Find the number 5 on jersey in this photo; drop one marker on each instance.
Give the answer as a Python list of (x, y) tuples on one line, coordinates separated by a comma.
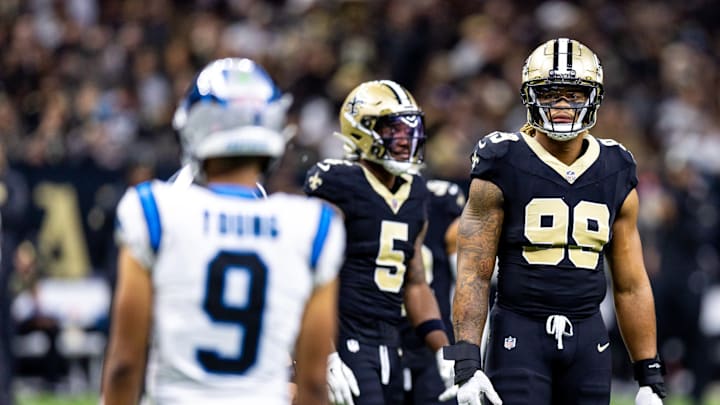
[(390, 273)]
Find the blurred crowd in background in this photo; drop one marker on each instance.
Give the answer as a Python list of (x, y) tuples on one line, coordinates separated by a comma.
[(88, 89)]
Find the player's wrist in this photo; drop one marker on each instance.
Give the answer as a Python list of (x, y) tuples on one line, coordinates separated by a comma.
[(649, 373), (432, 333), (467, 359), (429, 326)]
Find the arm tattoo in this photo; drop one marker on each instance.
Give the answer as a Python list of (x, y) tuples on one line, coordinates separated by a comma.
[(478, 237)]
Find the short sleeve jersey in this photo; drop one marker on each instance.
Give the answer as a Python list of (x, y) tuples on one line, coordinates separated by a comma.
[(382, 226), (231, 276), (557, 220)]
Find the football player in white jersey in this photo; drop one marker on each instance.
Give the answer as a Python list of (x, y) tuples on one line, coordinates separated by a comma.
[(220, 284)]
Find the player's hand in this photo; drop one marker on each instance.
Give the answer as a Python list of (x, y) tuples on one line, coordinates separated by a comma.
[(342, 384), (446, 368), (472, 390), (646, 396)]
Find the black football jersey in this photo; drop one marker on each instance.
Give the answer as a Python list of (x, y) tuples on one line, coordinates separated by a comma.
[(381, 227), (557, 220), (446, 203)]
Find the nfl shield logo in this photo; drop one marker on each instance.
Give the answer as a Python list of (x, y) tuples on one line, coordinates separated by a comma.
[(510, 342)]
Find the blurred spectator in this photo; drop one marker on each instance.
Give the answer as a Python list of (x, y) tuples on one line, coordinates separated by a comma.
[(41, 356), (14, 200)]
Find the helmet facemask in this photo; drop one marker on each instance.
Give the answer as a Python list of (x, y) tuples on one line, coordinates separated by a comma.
[(403, 140), (576, 104)]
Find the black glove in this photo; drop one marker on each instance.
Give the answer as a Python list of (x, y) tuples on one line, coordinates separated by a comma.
[(650, 372), (467, 359)]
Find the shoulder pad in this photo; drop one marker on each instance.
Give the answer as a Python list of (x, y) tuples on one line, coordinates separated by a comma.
[(618, 148), (335, 164), (327, 178), (446, 190), (491, 147), (442, 188), (495, 144)]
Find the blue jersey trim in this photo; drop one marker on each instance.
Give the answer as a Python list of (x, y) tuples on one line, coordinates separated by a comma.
[(326, 214), (234, 190), (152, 216)]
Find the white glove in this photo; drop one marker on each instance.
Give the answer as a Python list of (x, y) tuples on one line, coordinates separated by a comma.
[(470, 392), (446, 369), (341, 381), (646, 396)]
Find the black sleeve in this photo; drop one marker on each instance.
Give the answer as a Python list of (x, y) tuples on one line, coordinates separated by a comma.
[(329, 182)]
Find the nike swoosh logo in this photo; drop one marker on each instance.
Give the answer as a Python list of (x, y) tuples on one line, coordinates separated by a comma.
[(601, 348)]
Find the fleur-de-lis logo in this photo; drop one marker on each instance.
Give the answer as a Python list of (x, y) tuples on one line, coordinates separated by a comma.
[(315, 181), (352, 105)]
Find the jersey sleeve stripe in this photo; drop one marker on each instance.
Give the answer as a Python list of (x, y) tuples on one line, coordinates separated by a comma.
[(326, 214), (152, 216)]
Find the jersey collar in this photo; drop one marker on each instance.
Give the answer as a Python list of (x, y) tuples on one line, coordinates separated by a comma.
[(572, 172), (234, 190)]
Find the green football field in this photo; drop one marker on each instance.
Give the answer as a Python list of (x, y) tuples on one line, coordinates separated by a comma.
[(49, 399)]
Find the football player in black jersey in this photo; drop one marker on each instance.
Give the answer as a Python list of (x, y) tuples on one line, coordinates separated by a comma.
[(422, 380), (552, 203), (384, 202)]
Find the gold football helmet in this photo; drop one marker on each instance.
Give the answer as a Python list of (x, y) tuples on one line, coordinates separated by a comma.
[(381, 122), (562, 69)]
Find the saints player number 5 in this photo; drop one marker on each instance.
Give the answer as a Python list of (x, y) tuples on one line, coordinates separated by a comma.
[(390, 273), (247, 317)]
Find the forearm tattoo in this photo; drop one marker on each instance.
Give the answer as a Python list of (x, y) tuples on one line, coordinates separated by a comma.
[(478, 236)]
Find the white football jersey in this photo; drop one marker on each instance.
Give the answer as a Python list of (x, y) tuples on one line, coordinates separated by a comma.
[(183, 177), (231, 276)]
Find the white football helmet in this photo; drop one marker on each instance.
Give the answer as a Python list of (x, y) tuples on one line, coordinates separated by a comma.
[(233, 108), (381, 122), (560, 66)]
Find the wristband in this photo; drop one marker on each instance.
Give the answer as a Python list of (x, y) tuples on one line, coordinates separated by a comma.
[(431, 325), (467, 359), (649, 372)]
